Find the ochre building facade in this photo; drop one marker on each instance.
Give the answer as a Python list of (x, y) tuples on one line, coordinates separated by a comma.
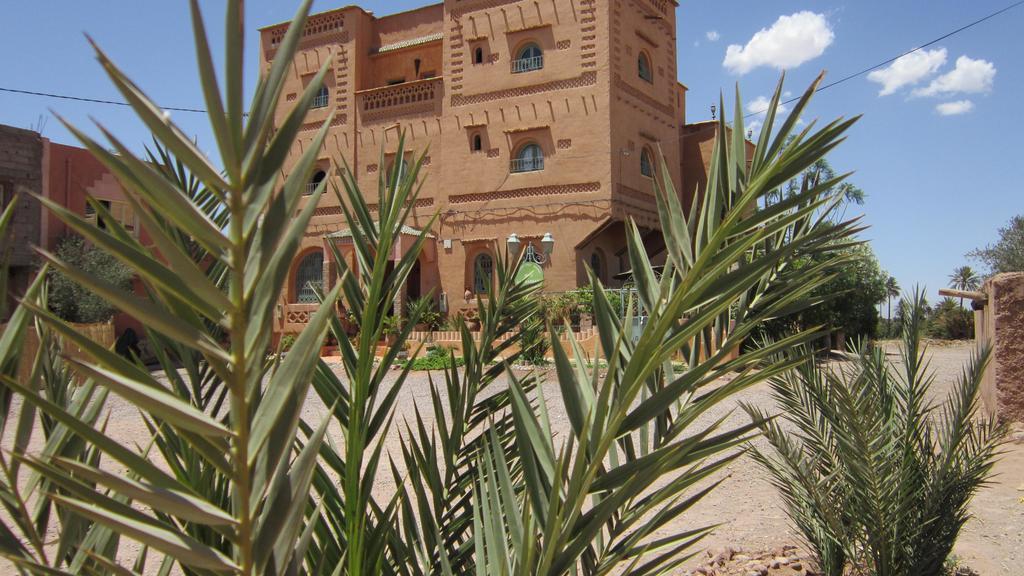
[(536, 117)]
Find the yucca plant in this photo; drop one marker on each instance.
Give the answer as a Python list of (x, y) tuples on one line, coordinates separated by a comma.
[(875, 474), (31, 355), (483, 484)]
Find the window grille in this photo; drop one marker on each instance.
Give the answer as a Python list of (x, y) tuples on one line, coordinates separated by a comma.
[(309, 278), (483, 271), (530, 58), (322, 98), (529, 159)]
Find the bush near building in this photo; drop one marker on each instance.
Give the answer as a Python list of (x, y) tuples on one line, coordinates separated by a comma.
[(75, 303)]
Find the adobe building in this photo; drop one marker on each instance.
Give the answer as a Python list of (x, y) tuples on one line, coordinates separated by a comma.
[(31, 164), (536, 118)]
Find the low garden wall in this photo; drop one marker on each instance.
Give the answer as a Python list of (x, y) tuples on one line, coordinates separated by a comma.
[(101, 333)]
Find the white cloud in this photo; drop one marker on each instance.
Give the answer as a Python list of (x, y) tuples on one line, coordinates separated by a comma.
[(908, 70), (761, 104), (955, 108), (970, 76), (712, 35), (754, 128), (791, 41)]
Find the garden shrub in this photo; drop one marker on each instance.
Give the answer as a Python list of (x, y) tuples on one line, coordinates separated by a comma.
[(74, 303)]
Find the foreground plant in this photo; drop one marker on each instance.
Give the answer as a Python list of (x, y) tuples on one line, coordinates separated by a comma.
[(877, 476), (482, 483)]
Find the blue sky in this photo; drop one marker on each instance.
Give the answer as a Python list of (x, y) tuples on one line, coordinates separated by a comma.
[(936, 154)]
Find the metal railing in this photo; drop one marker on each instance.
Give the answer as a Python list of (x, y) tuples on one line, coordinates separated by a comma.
[(321, 100), (527, 165), (527, 64)]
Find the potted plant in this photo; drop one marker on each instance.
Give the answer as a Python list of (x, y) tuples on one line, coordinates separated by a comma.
[(472, 319), (430, 319)]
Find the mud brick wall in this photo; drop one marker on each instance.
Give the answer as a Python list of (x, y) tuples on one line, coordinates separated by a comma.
[(1001, 325), (21, 173)]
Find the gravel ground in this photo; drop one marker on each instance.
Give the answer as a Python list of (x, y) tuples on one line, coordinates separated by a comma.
[(745, 504)]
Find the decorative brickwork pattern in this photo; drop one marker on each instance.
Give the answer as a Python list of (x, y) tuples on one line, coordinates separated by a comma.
[(564, 144), (585, 79), (316, 24), (557, 190), (339, 119)]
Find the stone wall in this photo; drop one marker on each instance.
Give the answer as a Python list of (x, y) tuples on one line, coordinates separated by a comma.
[(21, 175), (21, 161), (1000, 323)]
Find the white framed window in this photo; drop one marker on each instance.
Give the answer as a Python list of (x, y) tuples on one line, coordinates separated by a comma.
[(529, 58), (529, 158)]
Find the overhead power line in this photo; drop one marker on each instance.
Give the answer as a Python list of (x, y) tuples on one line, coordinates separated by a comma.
[(790, 101), (895, 58), (92, 100)]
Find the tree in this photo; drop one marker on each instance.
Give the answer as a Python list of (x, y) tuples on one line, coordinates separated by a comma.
[(68, 298), (949, 321), (878, 476), (850, 298), (963, 278), (822, 170), (892, 290), (1006, 255)]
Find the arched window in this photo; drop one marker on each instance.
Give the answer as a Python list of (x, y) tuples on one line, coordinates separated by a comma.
[(402, 167), (530, 57), (597, 264), (309, 277), (483, 272), (315, 181), (322, 97), (644, 69), (478, 143), (647, 163), (478, 55), (530, 158)]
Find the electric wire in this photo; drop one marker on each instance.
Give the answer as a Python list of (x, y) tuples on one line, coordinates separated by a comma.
[(790, 101), (895, 58), (93, 100)]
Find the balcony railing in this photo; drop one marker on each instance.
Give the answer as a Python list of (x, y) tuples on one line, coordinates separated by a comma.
[(321, 100), (527, 165), (411, 97), (527, 64)]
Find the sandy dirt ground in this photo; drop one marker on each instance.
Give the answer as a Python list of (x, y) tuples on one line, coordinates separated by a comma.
[(745, 504)]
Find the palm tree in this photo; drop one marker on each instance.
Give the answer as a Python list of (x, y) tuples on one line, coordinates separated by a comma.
[(892, 290), (963, 278)]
